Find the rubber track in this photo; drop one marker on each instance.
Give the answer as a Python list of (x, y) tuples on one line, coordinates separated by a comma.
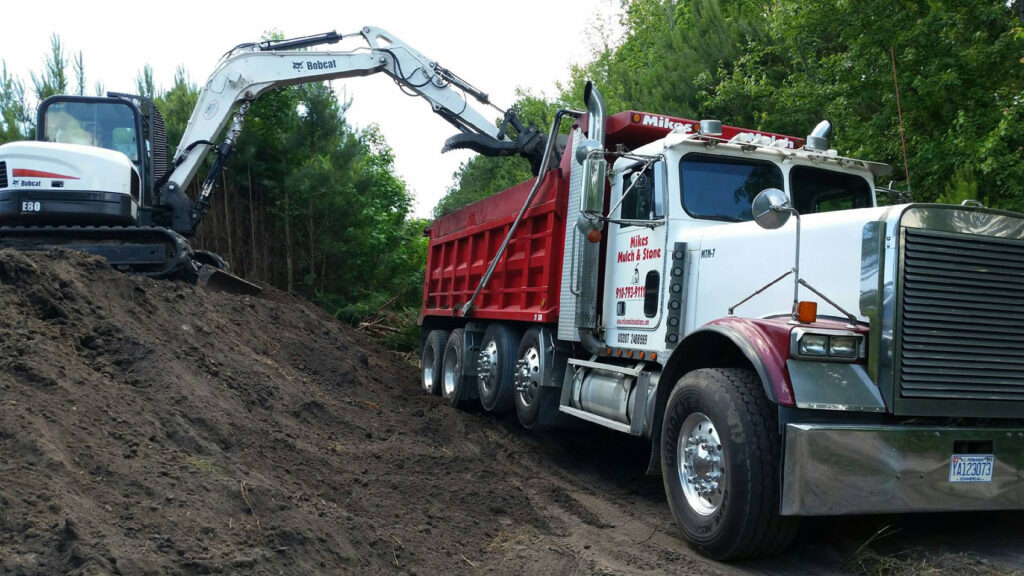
[(66, 235)]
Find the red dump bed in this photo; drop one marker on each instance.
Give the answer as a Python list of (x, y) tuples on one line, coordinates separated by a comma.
[(527, 281)]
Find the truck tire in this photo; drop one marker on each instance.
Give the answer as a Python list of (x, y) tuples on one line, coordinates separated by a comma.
[(495, 371), (720, 460), (536, 404), (454, 386), (431, 358)]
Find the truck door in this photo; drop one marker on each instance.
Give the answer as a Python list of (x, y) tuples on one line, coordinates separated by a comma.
[(636, 257)]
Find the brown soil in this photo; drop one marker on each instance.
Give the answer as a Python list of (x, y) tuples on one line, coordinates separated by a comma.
[(151, 427)]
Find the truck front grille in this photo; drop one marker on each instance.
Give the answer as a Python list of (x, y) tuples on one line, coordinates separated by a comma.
[(3, 174), (962, 311)]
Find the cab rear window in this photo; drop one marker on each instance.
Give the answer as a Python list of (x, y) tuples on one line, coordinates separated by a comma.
[(818, 190)]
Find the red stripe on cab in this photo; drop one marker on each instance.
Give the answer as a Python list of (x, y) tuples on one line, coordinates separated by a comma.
[(25, 173)]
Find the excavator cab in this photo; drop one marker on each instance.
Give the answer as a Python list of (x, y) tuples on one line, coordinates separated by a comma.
[(109, 123), (88, 183), (95, 162), (123, 123)]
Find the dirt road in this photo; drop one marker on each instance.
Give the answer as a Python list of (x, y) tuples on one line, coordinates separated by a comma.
[(150, 427)]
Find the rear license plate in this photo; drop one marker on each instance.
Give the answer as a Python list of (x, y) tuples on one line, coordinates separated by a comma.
[(971, 467)]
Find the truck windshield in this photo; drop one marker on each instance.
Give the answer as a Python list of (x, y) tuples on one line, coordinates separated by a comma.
[(817, 190), (109, 125), (722, 188)]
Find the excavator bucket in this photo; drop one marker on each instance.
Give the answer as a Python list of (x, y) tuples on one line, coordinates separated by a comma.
[(213, 278)]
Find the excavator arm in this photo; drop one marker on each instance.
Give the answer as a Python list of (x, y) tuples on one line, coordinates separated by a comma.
[(249, 70)]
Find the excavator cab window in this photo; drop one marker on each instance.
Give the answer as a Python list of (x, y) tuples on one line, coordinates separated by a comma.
[(103, 122)]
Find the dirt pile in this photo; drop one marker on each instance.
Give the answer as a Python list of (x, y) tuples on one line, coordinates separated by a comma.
[(151, 427)]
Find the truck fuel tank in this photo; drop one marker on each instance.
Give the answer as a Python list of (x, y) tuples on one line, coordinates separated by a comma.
[(610, 392)]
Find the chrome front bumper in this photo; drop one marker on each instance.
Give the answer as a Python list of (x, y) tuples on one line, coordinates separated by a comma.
[(855, 469)]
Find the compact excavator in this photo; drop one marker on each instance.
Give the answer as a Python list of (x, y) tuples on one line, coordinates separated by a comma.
[(97, 180)]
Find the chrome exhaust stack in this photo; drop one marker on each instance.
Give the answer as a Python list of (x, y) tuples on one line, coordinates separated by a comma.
[(589, 223), (818, 138)]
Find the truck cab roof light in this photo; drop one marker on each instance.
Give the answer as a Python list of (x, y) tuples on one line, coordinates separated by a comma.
[(807, 312)]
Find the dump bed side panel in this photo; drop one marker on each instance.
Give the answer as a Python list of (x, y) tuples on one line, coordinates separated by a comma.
[(526, 283)]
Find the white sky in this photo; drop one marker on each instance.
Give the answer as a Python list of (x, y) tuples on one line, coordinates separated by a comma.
[(497, 46)]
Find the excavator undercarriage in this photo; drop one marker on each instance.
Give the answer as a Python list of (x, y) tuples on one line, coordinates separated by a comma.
[(143, 250)]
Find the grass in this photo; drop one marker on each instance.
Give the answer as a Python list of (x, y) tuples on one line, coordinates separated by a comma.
[(921, 562), (206, 466)]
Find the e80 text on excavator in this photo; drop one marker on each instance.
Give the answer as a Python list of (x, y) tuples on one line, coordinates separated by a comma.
[(97, 178)]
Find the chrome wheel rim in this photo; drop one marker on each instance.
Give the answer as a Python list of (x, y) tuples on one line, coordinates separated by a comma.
[(701, 463), (449, 374), (487, 366), (528, 376), (429, 357)]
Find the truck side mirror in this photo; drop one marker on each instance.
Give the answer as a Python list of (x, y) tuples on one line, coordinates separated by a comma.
[(771, 208), (592, 197), (594, 169)]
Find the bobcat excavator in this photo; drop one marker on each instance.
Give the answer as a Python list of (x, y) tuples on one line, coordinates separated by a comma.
[(97, 178)]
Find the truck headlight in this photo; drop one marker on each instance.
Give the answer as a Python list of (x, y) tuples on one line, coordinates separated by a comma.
[(843, 346), (834, 345), (813, 345)]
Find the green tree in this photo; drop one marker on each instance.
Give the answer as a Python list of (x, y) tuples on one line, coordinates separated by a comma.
[(176, 106), (783, 65), (54, 79), (960, 79), (15, 118), (483, 176), (144, 83), (671, 56), (79, 69)]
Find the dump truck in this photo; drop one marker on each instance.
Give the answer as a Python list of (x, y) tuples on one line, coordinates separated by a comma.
[(739, 298)]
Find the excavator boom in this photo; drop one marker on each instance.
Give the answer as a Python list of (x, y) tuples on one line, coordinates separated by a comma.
[(250, 70)]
